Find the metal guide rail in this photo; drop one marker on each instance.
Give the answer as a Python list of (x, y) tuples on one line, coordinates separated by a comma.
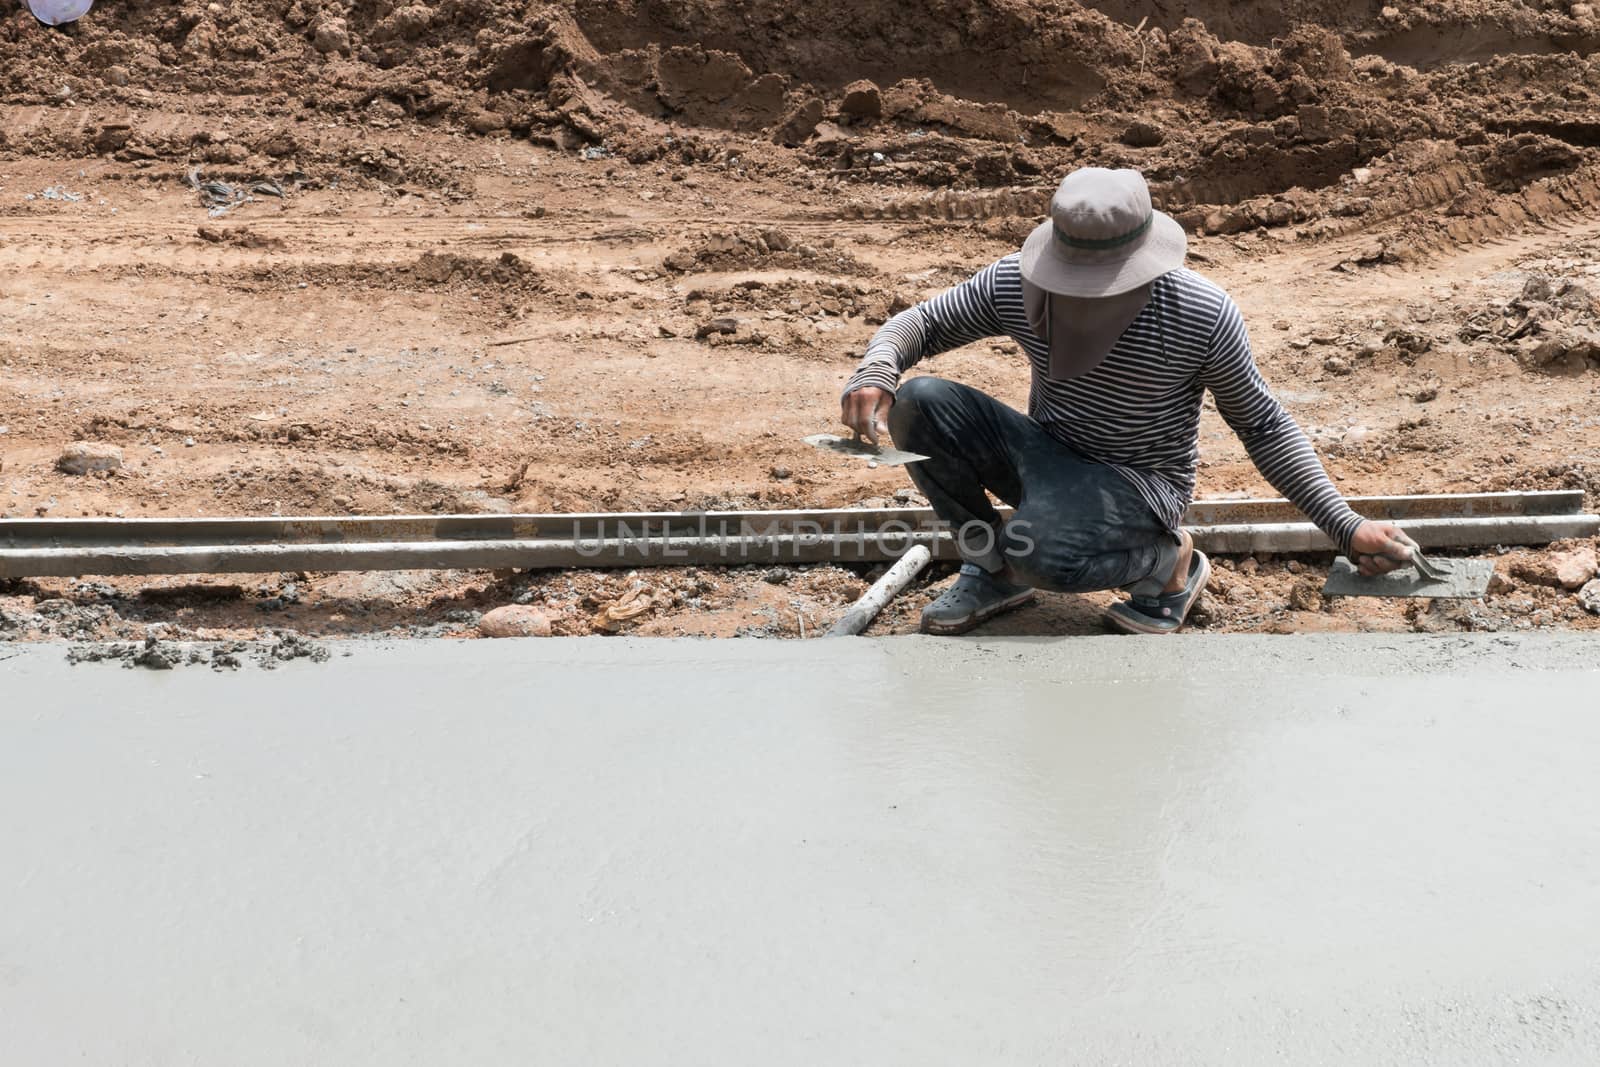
[(79, 547)]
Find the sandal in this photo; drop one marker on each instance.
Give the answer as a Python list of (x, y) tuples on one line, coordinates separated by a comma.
[(976, 597), (1164, 614)]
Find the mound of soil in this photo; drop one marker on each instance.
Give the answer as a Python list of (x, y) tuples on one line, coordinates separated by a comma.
[(1244, 116), (771, 248)]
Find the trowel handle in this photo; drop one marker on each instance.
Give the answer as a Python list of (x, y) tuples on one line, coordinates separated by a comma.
[(1423, 565)]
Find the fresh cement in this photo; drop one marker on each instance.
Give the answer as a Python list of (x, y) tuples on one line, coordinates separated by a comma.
[(907, 851)]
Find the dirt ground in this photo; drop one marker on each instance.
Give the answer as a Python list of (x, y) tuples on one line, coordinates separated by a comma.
[(475, 255)]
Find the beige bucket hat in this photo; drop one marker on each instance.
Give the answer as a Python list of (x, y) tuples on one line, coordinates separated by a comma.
[(1103, 237)]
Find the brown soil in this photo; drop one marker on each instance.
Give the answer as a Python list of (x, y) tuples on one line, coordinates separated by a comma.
[(509, 231)]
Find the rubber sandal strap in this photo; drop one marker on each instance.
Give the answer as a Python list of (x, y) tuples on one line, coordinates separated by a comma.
[(1166, 606), (1173, 605)]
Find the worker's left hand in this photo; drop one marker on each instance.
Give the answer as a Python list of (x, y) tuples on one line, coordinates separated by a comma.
[(1380, 547)]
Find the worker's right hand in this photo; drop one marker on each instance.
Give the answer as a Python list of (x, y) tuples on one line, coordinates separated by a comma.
[(866, 411), (1380, 547)]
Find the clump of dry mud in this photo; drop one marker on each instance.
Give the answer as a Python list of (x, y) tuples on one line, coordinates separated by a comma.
[(772, 249)]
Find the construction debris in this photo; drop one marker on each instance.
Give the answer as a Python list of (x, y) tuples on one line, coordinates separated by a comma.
[(634, 603)]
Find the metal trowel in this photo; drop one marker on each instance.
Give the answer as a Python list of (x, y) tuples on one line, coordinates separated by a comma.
[(875, 455), (1443, 579)]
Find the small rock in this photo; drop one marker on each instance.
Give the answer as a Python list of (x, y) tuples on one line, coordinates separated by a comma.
[(1589, 597), (156, 656), (515, 620), (781, 473), (1500, 584), (1426, 393), (862, 100), (777, 576), (1336, 366), (1575, 569), (681, 261), (1306, 595), (81, 457), (716, 326)]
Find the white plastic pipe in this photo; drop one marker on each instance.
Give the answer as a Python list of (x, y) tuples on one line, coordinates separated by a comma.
[(885, 589)]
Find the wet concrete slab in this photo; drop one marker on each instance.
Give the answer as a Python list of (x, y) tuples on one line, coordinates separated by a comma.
[(909, 851)]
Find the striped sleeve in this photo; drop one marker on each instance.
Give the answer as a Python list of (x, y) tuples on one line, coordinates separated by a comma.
[(955, 317), (1277, 446)]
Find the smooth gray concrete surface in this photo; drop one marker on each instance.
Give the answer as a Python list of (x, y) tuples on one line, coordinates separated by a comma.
[(908, 851)]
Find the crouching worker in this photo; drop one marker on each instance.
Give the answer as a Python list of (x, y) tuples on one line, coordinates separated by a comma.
[(1123, 342)]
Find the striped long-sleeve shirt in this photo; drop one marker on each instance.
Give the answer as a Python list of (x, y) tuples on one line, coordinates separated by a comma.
[(1139, 410)]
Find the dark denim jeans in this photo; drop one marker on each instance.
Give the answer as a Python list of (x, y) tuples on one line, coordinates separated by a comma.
[(1078, 526)]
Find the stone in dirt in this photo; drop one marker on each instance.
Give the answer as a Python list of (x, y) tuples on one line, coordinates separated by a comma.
[(1575, 569), (716, 326), (1565, 570), (81, 457), (1589, 597), (515, 620), (1306, 595), (1568, 353)]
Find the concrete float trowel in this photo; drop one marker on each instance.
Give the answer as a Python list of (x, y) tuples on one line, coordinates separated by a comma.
[(875, 455), (1438, 579)]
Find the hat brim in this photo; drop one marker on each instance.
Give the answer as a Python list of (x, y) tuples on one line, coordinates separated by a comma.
[(1057, 269)]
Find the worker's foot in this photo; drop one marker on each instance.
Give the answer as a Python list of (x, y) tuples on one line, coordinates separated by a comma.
[(1165, 614), (1180, 572), (976, 596)]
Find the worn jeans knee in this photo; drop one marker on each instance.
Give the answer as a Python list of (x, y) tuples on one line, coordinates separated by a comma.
[(911, 402)]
